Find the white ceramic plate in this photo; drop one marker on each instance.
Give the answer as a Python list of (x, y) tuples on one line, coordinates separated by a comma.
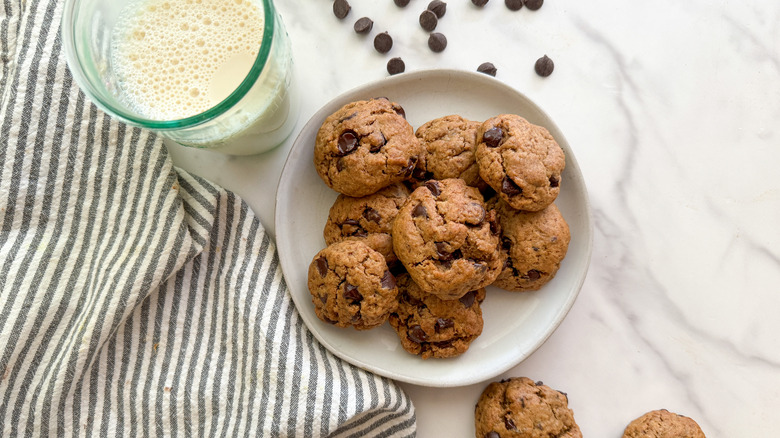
[(516, 324)]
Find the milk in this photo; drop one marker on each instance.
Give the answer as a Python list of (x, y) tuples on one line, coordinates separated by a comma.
[(178, 58)]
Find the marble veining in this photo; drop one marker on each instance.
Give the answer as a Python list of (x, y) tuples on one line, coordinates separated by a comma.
[(672, 109)]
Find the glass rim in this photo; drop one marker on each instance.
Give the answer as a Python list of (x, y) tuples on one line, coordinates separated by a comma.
[(74, 60)]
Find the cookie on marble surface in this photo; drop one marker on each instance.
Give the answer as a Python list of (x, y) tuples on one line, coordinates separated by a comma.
[(663, 424), (448, 150), (519, 408), (350, 285), (521, 161), (431, 327), (447, 240), (365, 146), (533, 242), (367, 218)]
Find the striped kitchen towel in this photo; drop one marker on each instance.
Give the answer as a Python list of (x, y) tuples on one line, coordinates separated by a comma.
[(139, 300)]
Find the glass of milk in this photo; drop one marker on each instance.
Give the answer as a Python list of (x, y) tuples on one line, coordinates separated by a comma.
[(213, 74)]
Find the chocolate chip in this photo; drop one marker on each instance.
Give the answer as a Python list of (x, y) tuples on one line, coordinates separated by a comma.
[(492, 435), (514, 5), (324, 299), (480, 216), (348, 142), (388, 280), (509, 423), (444, 344), (340, 165), (441, 251), (479, 266), (428, 20), (437, 42), (417, 334), (506, 243), (434, 187), (493, 136), (420, 174), (341, 8), (533, 274), (360, 233), (383, 42), (364, 25), (400, 111), (494, 227), (420, 211), (407, 171), (356, 318), (510, 188), (443, 323), (468, 299), (488, 68), (479, 3), (554, 181), (378, 147), (395, 66), (348, 117), (533, 4), (351, 293), (352, 222), (544, 66), (538, 383), (371, 215), (322, 266), (401, 3), (438, 7)]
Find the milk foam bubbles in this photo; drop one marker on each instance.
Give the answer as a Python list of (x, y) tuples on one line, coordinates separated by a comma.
[(177, 58)]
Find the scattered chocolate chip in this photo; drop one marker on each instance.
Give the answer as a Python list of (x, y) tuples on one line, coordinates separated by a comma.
[(348, 142), (341, 8), (488, 68), (351, 293), (494, 227), (434, 187), (400, 111), (554, 181), (510, 188), (328, 320), (348, 117), (324, 299), (538, 383), (468, 299), (428, 20), (437, 42), (401, 3), (514, 5), (339, 164), (544, 66), (492, 435), (506, 243), (533, 274), (420, 174), (479, 3), (509, 423), (441, 251), (352, 222), (444, 344), (395, 66), (479, 266), (480, 215), (420, 211), (364, 25), (378, 147), (522, 402), (372, 215), (322, 266), (493, 136), (388, 280), (438, 7), (383, 42), (360, 233), (533, 4), (417, 334), (443, 323), (356, 317)]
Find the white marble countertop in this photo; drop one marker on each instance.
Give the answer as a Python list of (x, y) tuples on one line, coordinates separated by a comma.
[(673, 111)]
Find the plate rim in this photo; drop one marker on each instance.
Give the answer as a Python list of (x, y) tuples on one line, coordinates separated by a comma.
[(571, 161)]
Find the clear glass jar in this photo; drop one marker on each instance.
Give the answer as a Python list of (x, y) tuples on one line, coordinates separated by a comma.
[(258, 115)]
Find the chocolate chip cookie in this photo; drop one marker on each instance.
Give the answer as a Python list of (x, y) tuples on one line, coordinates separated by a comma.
[(522, 162), (350, 285), (365, 146), (430, 327), (448, 150), (447, 240), (368, 218), (663, 424), (520, 408), (534, 244)]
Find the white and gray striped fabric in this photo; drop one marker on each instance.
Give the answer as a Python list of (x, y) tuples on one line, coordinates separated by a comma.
[(138, 300)]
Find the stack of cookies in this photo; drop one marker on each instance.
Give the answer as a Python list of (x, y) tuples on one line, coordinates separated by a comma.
[(426, 220)]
